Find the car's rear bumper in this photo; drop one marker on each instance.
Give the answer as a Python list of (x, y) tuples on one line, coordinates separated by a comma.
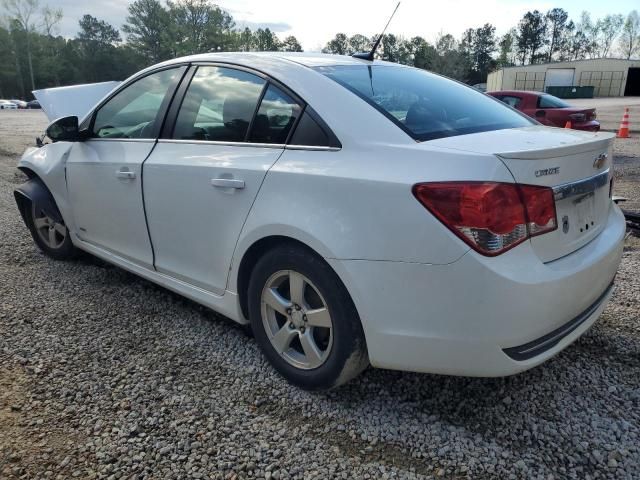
[(470, 316)]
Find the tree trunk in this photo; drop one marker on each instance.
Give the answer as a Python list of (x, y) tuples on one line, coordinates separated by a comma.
[(33, 84), (19, 78)]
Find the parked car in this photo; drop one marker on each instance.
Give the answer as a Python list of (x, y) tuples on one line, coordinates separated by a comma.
[(19, 103), (549, 110), (33, 104), (7, 105), (350, 211)]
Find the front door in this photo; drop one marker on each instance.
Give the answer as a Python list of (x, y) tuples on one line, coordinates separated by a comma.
[(104, 173), (199, 184)]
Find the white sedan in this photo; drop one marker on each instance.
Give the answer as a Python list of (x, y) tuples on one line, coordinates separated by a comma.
[(352, 212), (7, 105)]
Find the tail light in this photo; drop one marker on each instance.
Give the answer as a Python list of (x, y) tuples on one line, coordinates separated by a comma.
[(491, 217)]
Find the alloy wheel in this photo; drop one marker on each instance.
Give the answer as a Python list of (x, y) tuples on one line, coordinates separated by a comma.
[(52, 233), (296, 319)]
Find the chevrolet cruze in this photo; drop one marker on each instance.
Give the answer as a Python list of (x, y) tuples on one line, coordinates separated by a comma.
[(353, 212)]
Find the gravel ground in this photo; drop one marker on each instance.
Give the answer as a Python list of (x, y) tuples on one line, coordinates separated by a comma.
[(104, 375)]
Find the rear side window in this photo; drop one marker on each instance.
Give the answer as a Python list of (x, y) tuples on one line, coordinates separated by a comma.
[(219, 105), (276, 116), (310, 133), (424, 105), (549, 101)]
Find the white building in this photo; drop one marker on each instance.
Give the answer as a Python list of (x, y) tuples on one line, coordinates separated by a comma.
[(610, 77)]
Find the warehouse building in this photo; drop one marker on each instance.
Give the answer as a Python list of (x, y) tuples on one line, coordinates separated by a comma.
[(609, 77)]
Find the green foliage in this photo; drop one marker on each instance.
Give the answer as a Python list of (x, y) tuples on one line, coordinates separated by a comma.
[(630, 37), (32, 55), (532, 37)]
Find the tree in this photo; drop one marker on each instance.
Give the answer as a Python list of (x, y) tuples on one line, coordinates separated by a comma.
[(630, 37), (591, 32), (531, 35), (97, 33), (291, 44), (359, 43), (423, 53), (50, 20), (449, 60), (391, 48), (200, 26), (9, 79), (483, 45), (556, 26), (244, 40), (22, 13), (339, 45), (507, 43), (608, 28), (579, 45), (265, 40), (148, 30), (97, 40)]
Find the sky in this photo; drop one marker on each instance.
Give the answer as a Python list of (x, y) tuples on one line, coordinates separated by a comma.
[(315, 23)]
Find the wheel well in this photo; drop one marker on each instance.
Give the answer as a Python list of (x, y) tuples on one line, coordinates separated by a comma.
[(35, 190), (251, 257), (28, 172), (22, 200)]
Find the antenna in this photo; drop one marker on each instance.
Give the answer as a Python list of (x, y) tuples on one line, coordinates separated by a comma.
[(369, 55)]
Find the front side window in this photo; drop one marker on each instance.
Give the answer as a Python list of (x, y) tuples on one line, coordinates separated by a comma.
[(424, 105), (219, 105), (133, 111), (549, 101), (276, 116)]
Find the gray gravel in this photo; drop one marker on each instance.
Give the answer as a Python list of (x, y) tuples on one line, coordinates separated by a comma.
[(104, 375)]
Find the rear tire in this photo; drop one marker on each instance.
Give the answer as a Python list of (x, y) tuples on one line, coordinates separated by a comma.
[(304, 319), (51, 236)]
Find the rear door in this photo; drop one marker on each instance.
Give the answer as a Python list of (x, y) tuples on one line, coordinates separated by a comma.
[(203, 176), (104, 173)]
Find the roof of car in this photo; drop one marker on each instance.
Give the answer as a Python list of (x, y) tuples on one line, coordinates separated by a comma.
[(516, 92), (302, 58)]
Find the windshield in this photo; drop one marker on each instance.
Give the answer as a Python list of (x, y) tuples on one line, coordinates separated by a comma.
[(424, 105), (549, 101)]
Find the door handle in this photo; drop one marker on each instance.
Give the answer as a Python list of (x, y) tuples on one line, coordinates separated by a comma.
[(126, 174), (227, 183)]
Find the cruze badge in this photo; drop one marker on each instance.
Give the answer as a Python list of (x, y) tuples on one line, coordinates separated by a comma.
[(547, 171), (600, 161)]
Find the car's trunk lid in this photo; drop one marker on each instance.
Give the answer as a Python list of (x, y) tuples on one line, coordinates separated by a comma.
[(577, 165)]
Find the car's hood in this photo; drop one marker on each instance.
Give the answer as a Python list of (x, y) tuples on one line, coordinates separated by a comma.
[(75, 100)]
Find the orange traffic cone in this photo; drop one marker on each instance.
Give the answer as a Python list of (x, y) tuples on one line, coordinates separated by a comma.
[(568, 124), (623, 132)]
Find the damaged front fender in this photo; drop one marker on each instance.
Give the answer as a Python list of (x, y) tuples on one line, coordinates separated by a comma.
[(47, 185), (35, 192)]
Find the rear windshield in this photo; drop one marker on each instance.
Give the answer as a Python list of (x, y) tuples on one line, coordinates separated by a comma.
[(424, 105), (549, 101)]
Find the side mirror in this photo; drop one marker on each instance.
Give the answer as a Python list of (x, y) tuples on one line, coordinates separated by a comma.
[(540, 113), (64, 129)]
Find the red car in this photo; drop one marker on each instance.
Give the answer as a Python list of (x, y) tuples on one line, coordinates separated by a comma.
[(549, 110)]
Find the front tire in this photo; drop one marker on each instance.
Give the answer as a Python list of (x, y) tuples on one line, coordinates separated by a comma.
[(304, 319), (51, 236)]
